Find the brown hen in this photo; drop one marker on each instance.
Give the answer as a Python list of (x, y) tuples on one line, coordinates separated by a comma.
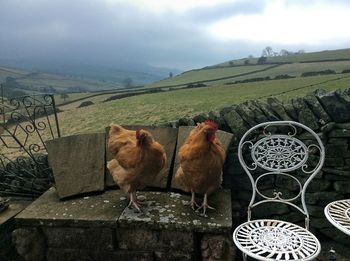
[(201, 161), (137, 159)]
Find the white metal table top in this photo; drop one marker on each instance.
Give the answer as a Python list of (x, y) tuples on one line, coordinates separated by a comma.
[(338, 214)]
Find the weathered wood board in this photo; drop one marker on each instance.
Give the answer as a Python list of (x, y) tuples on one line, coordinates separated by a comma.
[(184, 131), (165, 136), (78, 163)]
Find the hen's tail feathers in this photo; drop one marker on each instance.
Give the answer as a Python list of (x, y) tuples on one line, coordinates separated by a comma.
[(180, 179), (115, 128)]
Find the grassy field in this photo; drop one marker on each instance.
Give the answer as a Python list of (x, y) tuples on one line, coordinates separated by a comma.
[(35, 80), (164, 107), (305, 57), (11, 72), (64, 84), (155, 108), (95, 99), (71, 97), (207, 74), (296, 69), (214, 75)]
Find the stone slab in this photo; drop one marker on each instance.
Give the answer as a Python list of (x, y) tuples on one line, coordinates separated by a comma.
[(168, 211), (101, 210), (14, 208), (184, 131), (78, 163), (165, 136)]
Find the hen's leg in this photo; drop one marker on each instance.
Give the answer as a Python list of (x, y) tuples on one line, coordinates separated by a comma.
[(133, 201), (193, 202), (205, 204)]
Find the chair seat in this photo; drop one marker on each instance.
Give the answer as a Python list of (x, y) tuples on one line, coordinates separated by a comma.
[(268, 239), (338, 213)]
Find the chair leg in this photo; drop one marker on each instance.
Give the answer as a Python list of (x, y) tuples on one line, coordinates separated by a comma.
[(244, 256)]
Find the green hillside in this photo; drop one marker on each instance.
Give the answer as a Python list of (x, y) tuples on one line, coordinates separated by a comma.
[(168, 106), (39, 82), (337, 60), (208, 75), (192, 92), (328, 55)]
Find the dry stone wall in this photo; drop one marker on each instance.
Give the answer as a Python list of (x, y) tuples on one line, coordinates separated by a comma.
[(328, 114)]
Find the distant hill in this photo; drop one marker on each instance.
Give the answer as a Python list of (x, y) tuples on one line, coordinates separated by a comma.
[(327, 55), (246, 69), (23, 81), (114, 74), (201, 90)]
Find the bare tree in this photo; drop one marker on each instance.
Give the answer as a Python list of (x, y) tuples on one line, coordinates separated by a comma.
[(285, 52), (268, 52), (127, 82)]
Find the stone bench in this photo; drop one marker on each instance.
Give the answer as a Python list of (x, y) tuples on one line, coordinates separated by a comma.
[(92, 222)]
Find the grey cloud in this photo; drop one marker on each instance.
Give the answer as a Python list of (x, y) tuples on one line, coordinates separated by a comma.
[(94, 32), (225, 10)]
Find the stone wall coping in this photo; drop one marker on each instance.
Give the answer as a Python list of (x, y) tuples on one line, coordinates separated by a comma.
[(162, 210)]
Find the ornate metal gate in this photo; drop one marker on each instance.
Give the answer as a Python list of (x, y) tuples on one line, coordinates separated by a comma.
[(25, 124)]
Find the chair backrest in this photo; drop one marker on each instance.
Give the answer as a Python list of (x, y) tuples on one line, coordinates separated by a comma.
[(278, 149)]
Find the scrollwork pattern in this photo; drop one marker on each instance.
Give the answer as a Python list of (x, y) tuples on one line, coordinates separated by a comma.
[(26, 125), (279, 152)]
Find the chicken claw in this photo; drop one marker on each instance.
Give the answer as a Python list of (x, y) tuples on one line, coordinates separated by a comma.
[(205, 205), (193, 202), (134, 202)]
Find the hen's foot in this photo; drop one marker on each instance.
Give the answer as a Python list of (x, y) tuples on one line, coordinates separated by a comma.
[(193, 202), (205, 205), (134, 202)]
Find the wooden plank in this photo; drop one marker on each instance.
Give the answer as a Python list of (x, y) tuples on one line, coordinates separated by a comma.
[(78, 163), (165, 136), (184, 131)]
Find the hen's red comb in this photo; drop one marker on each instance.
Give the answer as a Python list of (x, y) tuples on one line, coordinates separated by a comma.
[(212, 124), (138, 133)]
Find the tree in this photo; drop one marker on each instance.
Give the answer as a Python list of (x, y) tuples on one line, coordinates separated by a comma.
[(268, 52), (64, 96), (285, 52), (262, 60), (246, 62), (231, 63), (127, 82), (170, 75)]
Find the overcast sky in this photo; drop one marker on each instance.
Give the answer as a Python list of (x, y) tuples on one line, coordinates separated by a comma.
[(182, 34)]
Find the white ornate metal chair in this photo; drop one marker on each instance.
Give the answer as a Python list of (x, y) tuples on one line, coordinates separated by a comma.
[(338, 214), (271, 150)]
